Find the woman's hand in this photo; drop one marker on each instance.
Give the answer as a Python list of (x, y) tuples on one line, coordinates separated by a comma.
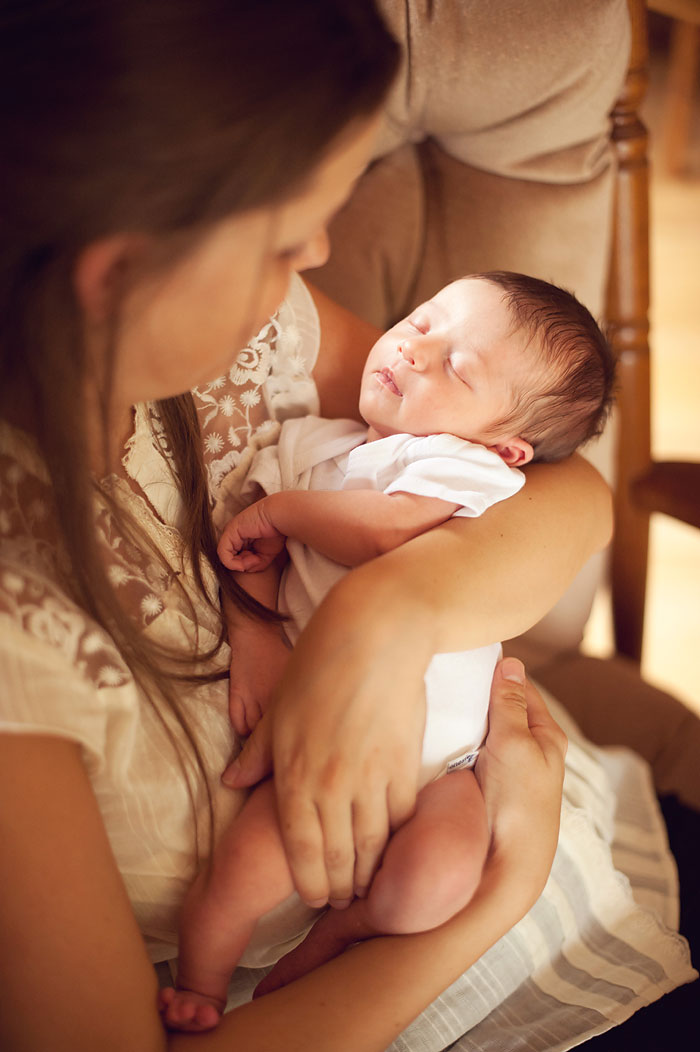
[(344, 735), (521, 771)]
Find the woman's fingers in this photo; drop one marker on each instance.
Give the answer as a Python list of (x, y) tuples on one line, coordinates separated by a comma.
[(304, 843), (335, 813), (544, 728), (346, 739), (334, 846), (317, 830), (521, 770), (518, 711), (371, 832), (508, 703), (401, 799), (331, 832)]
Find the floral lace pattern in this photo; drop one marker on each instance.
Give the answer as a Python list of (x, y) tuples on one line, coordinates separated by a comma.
[(61, 673), (62, 626), (269, 380), (32, 570), (231, 407), (270, 377)]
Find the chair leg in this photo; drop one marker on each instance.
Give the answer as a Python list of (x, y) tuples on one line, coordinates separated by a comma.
[(628, 318), (680, 92)]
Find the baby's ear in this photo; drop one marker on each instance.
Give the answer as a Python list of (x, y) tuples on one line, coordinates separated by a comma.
[(516, 452)]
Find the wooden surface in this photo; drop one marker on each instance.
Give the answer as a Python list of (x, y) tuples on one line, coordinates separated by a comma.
[(681, 91), (628, 319), (643, 486), (672, 488)]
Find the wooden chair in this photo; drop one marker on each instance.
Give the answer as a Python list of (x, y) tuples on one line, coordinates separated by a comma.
[(684, 62), (643, 484)]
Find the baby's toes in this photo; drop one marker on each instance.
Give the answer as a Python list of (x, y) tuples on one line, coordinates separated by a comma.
[(237, 712), (244, 710), (180, 1011), (207, 1016), (165, 996), (253, 714), (184, 1010)]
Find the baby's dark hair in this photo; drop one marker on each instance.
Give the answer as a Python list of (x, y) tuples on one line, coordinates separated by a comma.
[(573, 407)]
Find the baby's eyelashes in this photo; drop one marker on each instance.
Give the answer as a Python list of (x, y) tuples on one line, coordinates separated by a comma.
[(459, 372), (420, 323)]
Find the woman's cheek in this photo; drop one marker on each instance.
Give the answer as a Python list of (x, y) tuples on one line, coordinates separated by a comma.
[(272, 294)]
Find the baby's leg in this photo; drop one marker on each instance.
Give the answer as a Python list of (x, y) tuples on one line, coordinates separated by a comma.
[(430, 870), (433, 863), (248, 876)]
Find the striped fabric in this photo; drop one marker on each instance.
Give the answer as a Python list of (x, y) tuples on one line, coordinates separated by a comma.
[(600, 942), (598, 945)]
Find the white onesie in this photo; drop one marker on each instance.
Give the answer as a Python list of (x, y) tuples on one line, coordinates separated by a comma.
[(321, 454)]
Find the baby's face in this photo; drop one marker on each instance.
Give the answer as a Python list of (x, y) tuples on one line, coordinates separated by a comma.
[(454, 366)]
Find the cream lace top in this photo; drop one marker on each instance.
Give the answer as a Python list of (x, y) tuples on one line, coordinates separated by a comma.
[(60, 673)]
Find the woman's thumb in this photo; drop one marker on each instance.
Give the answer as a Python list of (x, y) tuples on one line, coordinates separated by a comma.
[(512, 669), (508, 704)]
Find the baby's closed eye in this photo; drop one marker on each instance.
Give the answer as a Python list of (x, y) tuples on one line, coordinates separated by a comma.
[(459, 369), (420, 322)]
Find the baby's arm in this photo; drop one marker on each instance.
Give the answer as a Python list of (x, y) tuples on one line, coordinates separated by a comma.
[(259, 651), (348, 526)]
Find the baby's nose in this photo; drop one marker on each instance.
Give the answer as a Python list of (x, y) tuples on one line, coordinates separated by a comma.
[(405, 352), (416, 352)]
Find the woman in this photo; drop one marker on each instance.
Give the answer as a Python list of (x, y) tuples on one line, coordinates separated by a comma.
[(167, 167)]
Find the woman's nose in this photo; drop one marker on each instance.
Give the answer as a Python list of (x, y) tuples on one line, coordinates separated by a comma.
[(315, 252)]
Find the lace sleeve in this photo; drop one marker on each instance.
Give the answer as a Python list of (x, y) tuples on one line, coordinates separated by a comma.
[(269, 381)]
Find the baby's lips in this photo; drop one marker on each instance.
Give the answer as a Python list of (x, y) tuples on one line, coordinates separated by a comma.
[(387, 378)]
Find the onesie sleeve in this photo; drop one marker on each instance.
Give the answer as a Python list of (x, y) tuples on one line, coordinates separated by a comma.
[(442, 466)]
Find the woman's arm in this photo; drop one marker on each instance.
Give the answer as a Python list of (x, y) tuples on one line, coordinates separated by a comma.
[(344, 733), (493, 577), (74, 972)]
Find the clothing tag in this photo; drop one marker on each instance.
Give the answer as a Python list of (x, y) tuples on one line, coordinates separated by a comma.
[(460, 762)]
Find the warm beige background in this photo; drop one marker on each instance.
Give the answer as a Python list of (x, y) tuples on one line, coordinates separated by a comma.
[(672, 636)]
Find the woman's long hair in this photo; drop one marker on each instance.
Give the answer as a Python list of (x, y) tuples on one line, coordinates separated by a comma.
[(159, 117)]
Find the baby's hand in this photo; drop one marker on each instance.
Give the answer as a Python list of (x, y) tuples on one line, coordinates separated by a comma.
[(250, 542)]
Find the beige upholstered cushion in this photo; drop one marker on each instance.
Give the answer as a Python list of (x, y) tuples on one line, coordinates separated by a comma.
[(494, 154), (505, 109)]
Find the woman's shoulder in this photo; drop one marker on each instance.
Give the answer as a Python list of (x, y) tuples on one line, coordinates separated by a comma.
[(32, 562), (55, 666), (54, 659)]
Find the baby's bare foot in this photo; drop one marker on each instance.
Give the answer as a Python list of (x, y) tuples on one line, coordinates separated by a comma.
[(187, 1010)]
